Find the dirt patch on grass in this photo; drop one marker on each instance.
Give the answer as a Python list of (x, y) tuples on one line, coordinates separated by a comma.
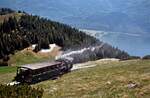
[(53, 52)]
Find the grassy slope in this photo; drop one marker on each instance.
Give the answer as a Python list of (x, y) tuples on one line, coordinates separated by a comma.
[(27, 57), (107, 80), (21, 58)]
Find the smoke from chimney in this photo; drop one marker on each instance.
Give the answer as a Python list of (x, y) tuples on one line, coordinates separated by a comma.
[(82, 55)]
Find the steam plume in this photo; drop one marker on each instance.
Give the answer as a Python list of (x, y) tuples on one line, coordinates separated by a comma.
[(82, 55)]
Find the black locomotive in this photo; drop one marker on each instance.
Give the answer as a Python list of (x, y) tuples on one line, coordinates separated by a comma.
[(34, 73)]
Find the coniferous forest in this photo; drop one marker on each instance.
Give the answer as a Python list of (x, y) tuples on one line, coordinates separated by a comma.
[(19, 33)]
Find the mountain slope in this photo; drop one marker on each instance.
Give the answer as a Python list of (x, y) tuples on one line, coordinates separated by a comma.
[(108, 79), (24, 30)]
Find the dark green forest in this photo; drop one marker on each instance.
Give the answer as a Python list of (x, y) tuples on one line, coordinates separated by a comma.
[(17, 34)]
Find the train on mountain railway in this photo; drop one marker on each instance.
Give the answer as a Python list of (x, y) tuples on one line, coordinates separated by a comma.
[(33, 73)]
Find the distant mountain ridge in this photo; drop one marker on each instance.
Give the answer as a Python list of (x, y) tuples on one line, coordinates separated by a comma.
[(110, 15)]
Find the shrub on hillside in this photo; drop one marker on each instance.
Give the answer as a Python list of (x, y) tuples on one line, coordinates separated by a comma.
[(146, 57), (20, 91)]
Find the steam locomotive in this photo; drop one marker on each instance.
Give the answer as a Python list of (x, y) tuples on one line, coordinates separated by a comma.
[(33, 73)]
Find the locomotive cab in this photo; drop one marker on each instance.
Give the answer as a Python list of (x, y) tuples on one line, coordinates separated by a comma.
[(23, 74), (67, 63)]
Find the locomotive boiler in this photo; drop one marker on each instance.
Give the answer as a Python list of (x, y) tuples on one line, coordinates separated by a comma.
[(33, 73)]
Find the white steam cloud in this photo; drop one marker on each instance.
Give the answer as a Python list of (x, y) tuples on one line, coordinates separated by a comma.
[(82, 55)]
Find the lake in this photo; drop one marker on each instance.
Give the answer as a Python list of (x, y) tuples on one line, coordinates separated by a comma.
[(134, 44)]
